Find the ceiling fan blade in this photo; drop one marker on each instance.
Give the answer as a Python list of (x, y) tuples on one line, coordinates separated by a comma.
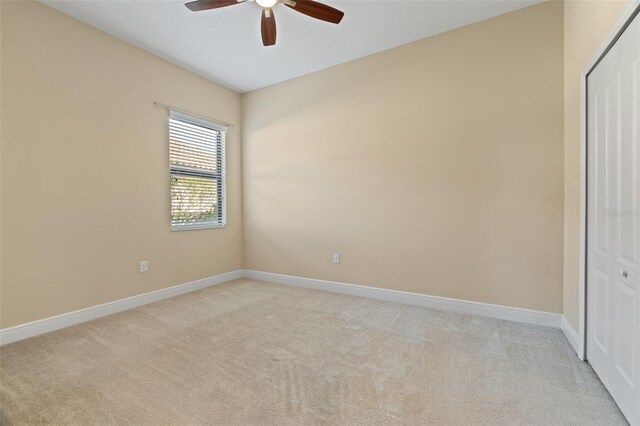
[(268, 25), (317, 10), (198, 5)]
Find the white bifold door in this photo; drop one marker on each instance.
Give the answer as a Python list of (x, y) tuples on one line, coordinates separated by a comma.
[(613, 221)]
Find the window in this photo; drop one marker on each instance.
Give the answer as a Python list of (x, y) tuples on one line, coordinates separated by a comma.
[(196, 157)]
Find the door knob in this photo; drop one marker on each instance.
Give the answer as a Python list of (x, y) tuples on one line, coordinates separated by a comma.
[(624, 274)]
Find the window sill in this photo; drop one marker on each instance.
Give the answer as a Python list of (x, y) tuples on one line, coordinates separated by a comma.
[(194, 227)]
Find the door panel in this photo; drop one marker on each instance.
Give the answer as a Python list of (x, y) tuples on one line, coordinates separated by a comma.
[(601, 178), (601, 302), (628, 162), (625, 347), (613, 221), (626, 247), (600, 235)]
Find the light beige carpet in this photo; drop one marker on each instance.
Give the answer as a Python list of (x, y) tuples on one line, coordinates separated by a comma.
[(249, 353)]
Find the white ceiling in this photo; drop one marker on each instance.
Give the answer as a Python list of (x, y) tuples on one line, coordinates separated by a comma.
[(224, 45)]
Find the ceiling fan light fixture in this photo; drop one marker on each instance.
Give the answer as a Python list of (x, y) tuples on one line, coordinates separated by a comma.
[(267, 3), (310, 8)]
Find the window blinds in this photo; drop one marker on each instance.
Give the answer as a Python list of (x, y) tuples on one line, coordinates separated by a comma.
[(196, 156)]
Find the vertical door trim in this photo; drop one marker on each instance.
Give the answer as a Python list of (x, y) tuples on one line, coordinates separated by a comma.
[(627, 16)]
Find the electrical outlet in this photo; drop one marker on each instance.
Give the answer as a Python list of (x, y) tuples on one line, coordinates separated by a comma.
[(336, 258), (144, 266)]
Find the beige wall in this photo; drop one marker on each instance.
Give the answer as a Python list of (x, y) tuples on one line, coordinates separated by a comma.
[(436, 167), (0, 163), (85, 183), (586, 25)]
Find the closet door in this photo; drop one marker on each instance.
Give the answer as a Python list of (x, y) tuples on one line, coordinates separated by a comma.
[(613, 217)]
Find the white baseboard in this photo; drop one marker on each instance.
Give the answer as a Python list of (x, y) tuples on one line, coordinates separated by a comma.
[(34, 328), (528, 316), (570, 334), (548, 319)]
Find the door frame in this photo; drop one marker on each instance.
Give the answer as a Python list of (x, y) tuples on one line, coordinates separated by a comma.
[(630, 12)]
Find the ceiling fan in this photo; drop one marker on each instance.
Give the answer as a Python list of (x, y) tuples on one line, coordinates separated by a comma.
[(268, 24)]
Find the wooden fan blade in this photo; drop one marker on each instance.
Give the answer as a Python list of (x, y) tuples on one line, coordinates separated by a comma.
[(268, 25), (198, 5), (317, 10)]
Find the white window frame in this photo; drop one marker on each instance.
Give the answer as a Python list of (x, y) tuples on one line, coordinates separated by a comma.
[(220, 177)]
